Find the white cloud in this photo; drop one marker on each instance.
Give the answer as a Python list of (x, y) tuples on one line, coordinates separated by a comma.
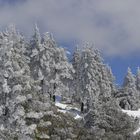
[(113, 25)]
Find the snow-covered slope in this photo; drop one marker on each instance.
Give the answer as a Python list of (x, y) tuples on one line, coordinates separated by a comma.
[(134, 114), (60, 105), (63, 108)]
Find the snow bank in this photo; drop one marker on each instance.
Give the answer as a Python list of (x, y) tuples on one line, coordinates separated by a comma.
[(74, 108), (77, 117), (63, 108), (135, 113), (135, 132), (62, 111), (60, 105)]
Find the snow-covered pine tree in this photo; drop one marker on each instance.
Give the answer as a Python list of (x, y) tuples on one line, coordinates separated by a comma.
[(40, 60), (95, 81), (63, 71), (111, 79), (57, 70), (16, 83), (138, 79), (130, 97), (9, 39), (129, 80), (89, 76), (104, 80), (2, 79), (49, 64), (35, 45), (47, 60), (75, 85), (109, 122)]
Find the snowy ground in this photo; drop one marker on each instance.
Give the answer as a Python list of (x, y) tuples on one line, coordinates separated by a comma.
[(60, 105), (74, 111), (134, 114), (68, 108)]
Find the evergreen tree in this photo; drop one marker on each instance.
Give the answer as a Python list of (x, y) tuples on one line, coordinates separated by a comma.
[(89, 88), (94, 80), (49, 64), (35, 45), (63, 71), (17, 83), (138, 79), (110, 122), (129, 96), (105, 81), (75, 86), (129, 80), (111, 79)]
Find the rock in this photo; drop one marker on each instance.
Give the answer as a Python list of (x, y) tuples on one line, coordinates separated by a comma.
[(30, 129), (45, 124)]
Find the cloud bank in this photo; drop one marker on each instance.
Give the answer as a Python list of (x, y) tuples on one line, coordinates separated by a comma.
[(112, 25)]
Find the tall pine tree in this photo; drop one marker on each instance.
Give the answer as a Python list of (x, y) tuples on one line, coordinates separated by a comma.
[(130, 97)]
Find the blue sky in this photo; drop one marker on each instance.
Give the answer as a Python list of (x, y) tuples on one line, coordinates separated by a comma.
[(119, 66), (112, 25)]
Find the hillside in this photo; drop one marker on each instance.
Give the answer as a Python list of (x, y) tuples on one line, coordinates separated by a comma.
[(44, 96)]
